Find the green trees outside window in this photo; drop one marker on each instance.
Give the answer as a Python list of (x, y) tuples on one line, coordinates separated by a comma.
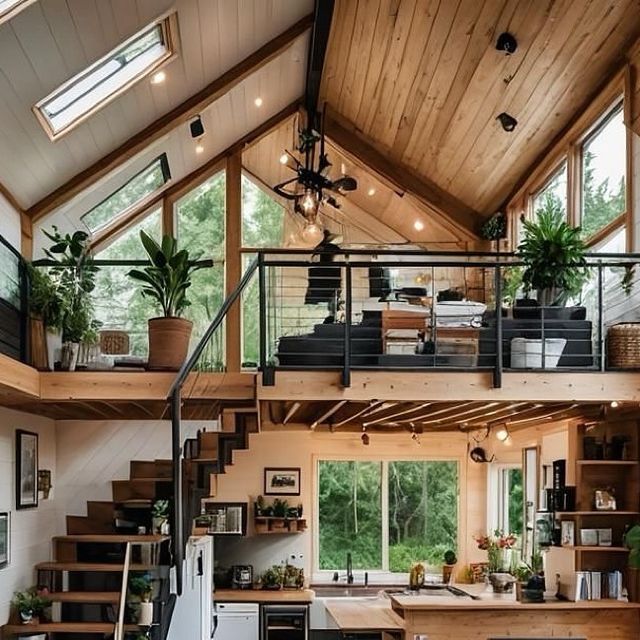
[(418, 509)]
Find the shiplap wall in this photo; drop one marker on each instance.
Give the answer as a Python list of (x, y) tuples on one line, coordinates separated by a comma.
[(9, 223), (31, 529)]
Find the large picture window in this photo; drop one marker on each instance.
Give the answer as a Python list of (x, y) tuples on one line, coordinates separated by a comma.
[(387, 514)]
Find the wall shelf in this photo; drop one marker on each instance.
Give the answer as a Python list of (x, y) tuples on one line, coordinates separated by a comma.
[(607, 463), (265, 525), (598, 548)]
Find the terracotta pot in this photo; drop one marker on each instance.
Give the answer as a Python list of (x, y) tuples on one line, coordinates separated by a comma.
[(447, 571), (633, 584), (168, 342)]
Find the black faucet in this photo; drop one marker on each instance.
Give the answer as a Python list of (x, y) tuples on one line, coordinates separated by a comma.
[(349, 569)]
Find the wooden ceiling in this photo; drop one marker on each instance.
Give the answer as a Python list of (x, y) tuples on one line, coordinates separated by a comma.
[(421, 80), (390, 416)]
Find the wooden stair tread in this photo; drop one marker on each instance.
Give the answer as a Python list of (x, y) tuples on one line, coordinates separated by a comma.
[(135, 502), (88, 566), (99, 538), (93, 597), (133, 480), (64, 627)]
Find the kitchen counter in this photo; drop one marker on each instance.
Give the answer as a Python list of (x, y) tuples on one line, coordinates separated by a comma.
[(256, 595), (364, 615)]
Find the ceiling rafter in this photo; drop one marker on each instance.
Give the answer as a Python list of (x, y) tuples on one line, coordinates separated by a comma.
[(327, 414), (451, 213), (177, 116)]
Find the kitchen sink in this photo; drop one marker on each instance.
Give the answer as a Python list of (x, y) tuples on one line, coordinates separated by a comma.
[(377, 591), (346, 591)]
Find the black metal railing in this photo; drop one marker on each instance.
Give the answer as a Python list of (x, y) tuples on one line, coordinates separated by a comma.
[(14, 305)]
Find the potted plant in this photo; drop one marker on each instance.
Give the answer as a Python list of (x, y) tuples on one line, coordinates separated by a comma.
[(165, 281), (522, 574), (450, 561), (30, 605), (554, 257), (272, 578), (140, 587), (46, 318), (632, 542), (499, 548), (160, 517)]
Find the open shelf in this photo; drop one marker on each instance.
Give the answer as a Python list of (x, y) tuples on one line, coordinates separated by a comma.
[(598, 548), (608, 463), (597, 513), (265, 525)]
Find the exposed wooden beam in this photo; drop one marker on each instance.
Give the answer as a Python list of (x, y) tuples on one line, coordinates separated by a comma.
[(167, 217), (327, 414), (397, 414), (174, 118), (291, 412), (323, 16), (449, 210), (355, 415)]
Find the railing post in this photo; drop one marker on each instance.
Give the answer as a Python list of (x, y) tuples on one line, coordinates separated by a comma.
[(262, 297), (601, 353), (176, 466), (346, 371), (497, 371)]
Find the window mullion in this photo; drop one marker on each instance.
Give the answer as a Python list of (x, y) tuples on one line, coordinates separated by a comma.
[(384, 493)]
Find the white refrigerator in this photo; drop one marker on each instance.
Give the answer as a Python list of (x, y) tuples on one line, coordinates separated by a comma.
[(193, 617)]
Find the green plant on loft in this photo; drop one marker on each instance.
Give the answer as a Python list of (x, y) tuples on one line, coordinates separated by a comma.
[(141, 587), (44, 298), (553, 256)]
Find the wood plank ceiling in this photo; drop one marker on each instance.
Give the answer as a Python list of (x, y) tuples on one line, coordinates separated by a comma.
[(422, 81), (51, 40)]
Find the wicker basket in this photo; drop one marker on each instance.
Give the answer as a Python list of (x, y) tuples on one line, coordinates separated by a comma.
[(623, 346), (114, 343)]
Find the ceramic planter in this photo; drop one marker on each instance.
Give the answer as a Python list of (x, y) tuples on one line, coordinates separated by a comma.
[(70, 352), (168, 343), (145, 617)]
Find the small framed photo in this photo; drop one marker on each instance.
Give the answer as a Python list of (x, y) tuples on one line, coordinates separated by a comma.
[(26, 469), (282, 482), (5, 539), (568, 533), (605, 500)]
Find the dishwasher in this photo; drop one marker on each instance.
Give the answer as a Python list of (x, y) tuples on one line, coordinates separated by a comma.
[(285, 622), (236, 621)]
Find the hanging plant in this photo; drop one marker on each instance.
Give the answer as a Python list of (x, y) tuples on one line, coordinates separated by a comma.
[(495, 227)]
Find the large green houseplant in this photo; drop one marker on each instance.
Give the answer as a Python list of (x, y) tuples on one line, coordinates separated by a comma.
[(165, 281), (553, 256), (632, 542)]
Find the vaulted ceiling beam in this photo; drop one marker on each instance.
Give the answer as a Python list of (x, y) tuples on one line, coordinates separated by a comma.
[(323, 16), (174, 118), (449, 210)]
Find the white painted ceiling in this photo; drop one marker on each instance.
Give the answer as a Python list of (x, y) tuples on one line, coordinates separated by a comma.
[(52, 40)]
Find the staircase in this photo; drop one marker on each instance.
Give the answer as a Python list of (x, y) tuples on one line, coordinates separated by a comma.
[(84, 578)]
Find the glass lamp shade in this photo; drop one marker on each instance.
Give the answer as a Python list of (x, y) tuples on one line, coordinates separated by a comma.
[(312, 234)]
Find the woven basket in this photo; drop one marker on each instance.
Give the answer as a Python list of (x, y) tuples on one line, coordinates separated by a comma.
[(623, 346), (114, 343)]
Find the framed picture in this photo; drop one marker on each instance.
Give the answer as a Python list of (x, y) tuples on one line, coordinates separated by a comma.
[(568, 533), (5, 540), (282, 482), (26, 469)]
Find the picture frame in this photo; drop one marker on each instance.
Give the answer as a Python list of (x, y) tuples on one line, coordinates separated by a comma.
[(5, 539), (568, 533), (281, 481), (26, 469)]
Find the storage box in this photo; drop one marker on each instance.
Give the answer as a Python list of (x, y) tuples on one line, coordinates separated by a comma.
[(605, 537), (589, 537)]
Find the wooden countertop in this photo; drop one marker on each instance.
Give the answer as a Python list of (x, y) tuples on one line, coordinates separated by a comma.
[(256, 595), (364, 615), (489, 600)]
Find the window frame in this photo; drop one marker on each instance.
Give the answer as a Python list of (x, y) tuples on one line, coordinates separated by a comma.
[(382, 575), (14, 10), (100, 233), (569, 148), (498, 497), (169, 29)]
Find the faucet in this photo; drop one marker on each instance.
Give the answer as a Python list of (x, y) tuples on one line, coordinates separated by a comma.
[(349, 569)]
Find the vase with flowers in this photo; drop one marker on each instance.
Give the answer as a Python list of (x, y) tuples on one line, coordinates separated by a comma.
[(499, 547)]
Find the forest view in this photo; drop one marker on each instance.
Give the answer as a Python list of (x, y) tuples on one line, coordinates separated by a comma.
[(419, 509)]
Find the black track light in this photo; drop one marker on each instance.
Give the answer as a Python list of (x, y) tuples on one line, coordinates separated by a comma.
[(196, 127), (507, 43), (508, 122)]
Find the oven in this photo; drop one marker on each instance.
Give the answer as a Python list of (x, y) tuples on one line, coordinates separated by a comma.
[(285, 622)]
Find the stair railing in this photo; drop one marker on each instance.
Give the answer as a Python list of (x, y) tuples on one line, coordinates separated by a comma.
[(122, 603), (175, 402)]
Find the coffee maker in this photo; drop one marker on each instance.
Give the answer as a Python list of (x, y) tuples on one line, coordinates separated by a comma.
[(242, 576)]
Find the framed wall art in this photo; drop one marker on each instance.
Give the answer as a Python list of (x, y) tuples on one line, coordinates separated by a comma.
[(26, 469), (282, 482)]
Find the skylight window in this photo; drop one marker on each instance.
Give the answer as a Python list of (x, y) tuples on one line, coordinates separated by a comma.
[(130, 194), (95, 87), (9, 8)]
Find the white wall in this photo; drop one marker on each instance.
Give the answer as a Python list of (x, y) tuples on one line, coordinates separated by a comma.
[(244, 481), (9, 223), (31, 529)]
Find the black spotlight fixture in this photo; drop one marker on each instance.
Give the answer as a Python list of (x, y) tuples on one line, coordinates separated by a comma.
[(196, 127), (507, 43), (508, 122)]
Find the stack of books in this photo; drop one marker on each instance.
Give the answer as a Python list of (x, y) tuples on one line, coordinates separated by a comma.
[(598, 585)]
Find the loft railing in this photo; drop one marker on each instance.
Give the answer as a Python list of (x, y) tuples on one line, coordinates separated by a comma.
[(14, 315)]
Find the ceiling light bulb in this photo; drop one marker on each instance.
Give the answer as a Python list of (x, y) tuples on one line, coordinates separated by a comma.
[(371, 192), (312, 234), (310, 202), (199, 148), (258, 102), (615, 404), (418, 225), (284, 158), (502, 434), (158, 78)]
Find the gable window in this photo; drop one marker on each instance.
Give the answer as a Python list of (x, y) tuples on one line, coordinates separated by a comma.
[(10, 8), (141, 186), (553, 195), (386, 513), (95, 87), (603, 174)]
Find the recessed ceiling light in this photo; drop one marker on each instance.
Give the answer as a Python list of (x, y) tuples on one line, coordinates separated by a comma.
[(258, 102), (371, 192), (158, 78), (199, 148), (284, 158), (614, 404), (418, 225)]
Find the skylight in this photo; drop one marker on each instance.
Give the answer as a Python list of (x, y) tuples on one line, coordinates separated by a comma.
[(9, 8), (95, 87), (130, 194)]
